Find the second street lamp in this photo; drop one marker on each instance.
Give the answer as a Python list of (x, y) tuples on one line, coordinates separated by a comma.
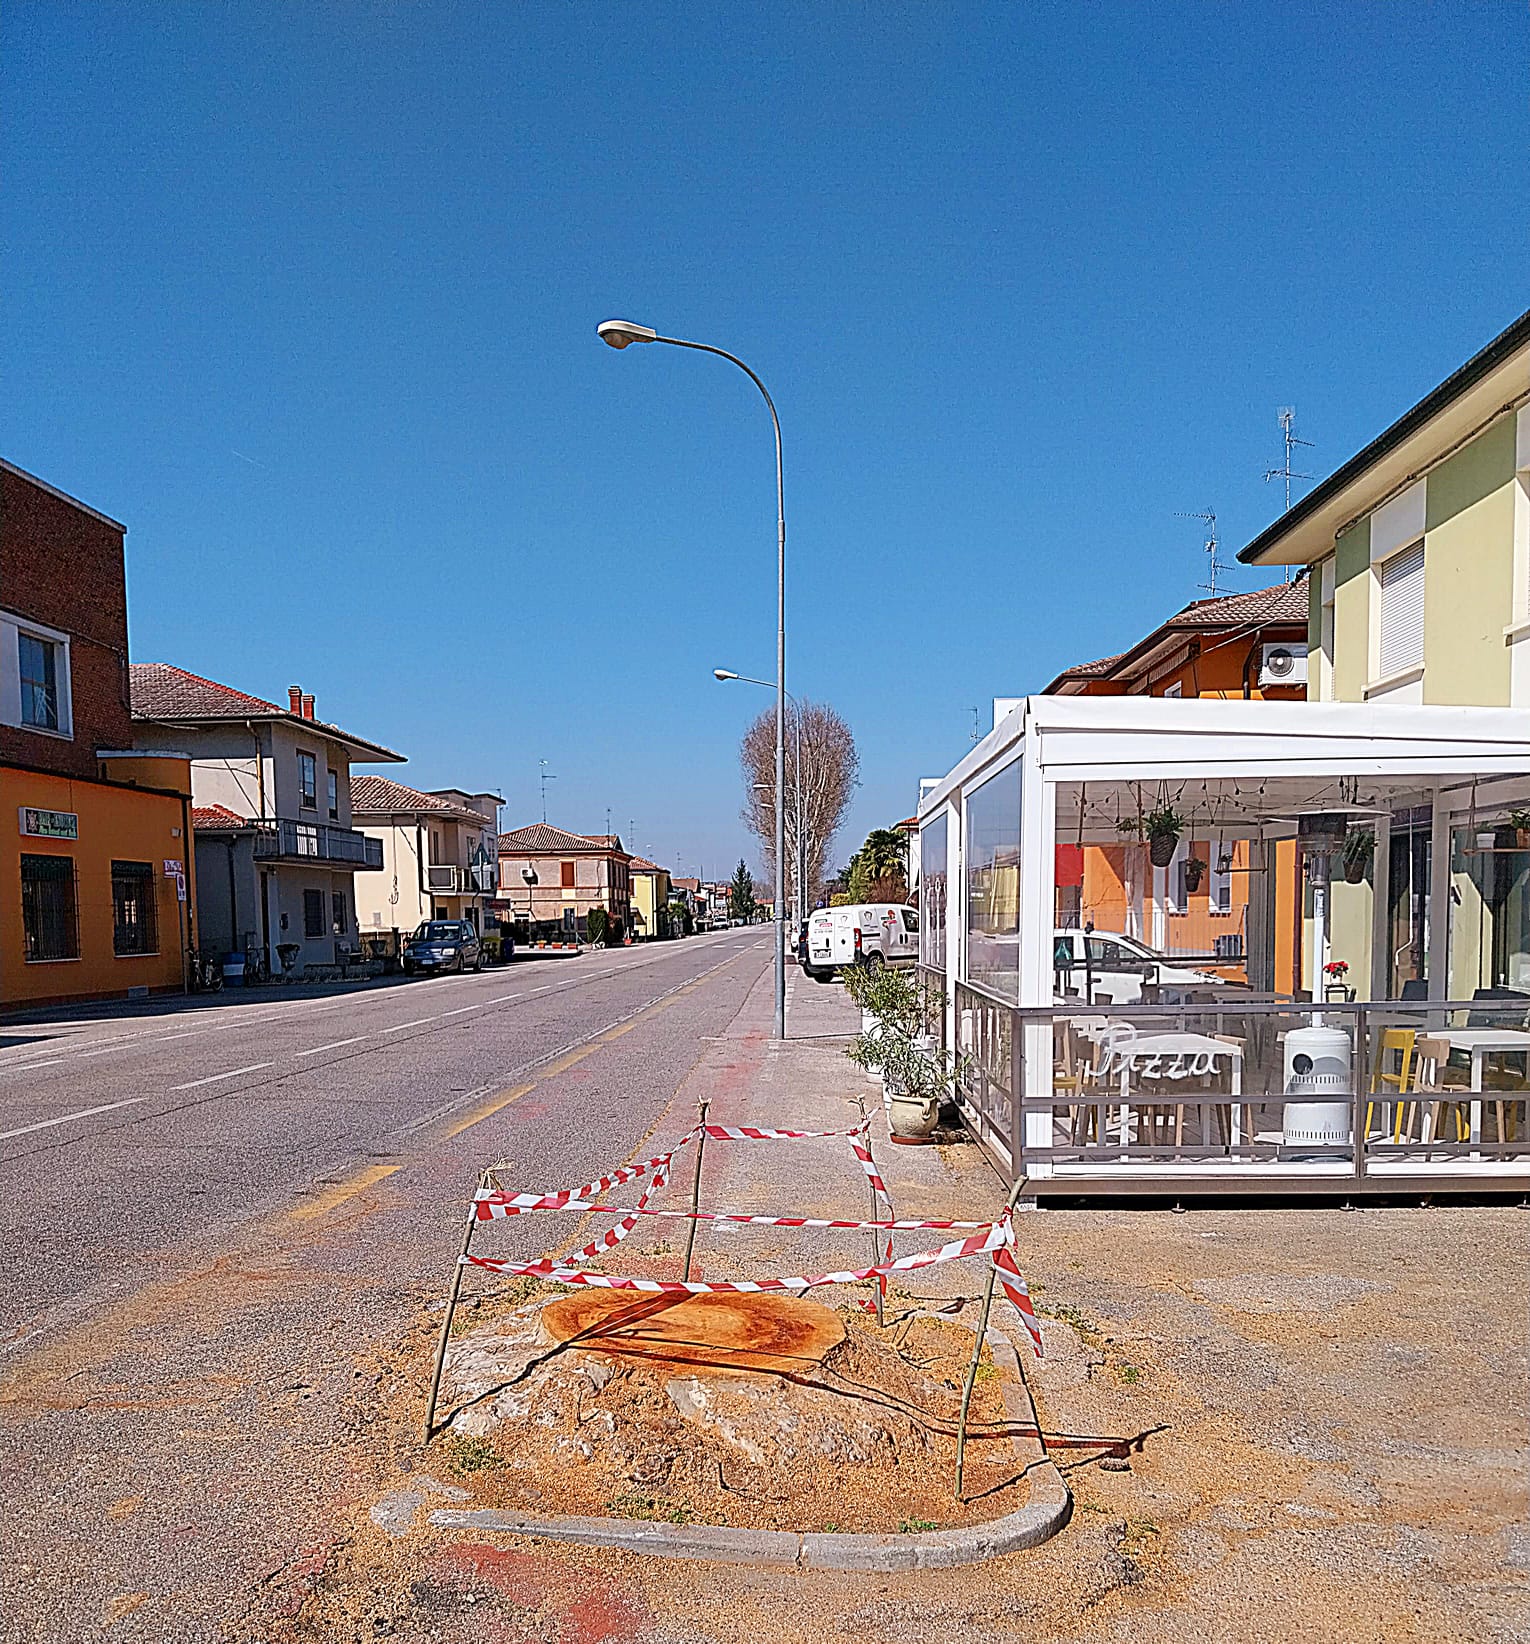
[(799, 896), (622, 334)]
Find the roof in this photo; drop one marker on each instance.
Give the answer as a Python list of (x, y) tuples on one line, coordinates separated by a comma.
[(1286, 604), (218, 818), (607, 841), (543, 838), (382, 796), (1323, 498), (686, 884), (643, 865), (1265, 746), (161, 691)]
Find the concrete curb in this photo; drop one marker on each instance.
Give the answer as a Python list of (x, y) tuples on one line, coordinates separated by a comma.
[(1048, 1510)]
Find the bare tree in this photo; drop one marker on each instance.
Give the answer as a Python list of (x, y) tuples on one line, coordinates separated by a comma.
[(830, 765)]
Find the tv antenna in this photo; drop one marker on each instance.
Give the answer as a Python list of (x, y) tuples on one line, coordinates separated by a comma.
[(547, 777), (1214, 566), (977, 725), (1286, 472)]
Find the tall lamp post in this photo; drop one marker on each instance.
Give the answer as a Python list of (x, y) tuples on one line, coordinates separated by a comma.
[(799, 900), (618, 334)]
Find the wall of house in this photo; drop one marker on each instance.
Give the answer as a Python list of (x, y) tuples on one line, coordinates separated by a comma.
[(394, 898), (62, 568), (287, 883), (1473, 509), (115, 823), (228, 896)]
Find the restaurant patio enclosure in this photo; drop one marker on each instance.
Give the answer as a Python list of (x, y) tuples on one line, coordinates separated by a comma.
[(1410, 1071)]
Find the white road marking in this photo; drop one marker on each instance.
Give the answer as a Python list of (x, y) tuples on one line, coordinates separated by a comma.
[(192, 1034), (110, 1050), (26, 1067), (461, 1010), (419, 1022), (334, 1045), (212, 1078), (64, 1118)]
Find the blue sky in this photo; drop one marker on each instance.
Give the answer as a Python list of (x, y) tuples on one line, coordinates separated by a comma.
[(306, 296)]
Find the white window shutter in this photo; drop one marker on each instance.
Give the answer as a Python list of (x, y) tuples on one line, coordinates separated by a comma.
[(1402, 611)]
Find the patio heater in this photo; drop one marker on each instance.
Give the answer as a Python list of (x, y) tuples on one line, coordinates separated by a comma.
[(1319, 1059)]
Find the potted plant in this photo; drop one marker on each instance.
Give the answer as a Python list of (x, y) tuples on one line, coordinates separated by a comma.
[(1359, 848), (1163, 826), (1195, 871), (1519, 820), (917, 1076), (1335, 988)]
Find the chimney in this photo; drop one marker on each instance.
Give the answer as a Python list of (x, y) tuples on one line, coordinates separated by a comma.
[(295, 699), (307, 704)]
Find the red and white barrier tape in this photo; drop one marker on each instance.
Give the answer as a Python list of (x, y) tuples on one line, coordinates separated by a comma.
[(754, 1133), (977, 1244), (894, 1225), (491, 1203), (1018, 1292)]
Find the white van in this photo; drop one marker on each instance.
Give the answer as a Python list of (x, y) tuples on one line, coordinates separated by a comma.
[(1117, 966), (868, 933)]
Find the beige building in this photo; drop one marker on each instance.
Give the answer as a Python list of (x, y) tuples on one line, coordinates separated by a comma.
[(550, 878), (1417, 552), (439, 851)]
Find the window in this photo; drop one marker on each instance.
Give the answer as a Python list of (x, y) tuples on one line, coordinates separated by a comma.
[(308, 777), (1176, 890), (334, 797), (1219, 878), (993, 883), (313, 913), (1401, 612), (1104, 955), (49, 919), (1177, 689), (338, 911), (39, 681), (932, 890), (135, 927), (568, 875)]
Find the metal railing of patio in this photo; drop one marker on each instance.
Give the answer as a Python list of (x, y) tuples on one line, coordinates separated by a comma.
[(1388, 1095)]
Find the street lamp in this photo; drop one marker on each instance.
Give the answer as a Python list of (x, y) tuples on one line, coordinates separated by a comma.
[(619, 334), (799, 909)]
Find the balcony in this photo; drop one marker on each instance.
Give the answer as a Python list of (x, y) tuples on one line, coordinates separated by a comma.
[(315, 842)]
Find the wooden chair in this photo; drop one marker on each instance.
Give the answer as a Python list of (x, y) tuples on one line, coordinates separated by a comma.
[(1431, 1077), (1397, 1042)]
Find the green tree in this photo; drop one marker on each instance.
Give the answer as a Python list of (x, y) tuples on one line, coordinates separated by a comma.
[(878, 871), (596, 923), (741, 894)]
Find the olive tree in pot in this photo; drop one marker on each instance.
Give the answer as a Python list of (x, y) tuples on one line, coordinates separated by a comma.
[(917, 1076)]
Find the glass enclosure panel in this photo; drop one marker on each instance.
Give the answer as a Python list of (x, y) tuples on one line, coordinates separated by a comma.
[(932, 891), (1490, 913), (993, 883), (1408, 898)]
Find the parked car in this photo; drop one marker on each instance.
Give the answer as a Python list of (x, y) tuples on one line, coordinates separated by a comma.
[(442, 945), (867, 933), (1117, 966)]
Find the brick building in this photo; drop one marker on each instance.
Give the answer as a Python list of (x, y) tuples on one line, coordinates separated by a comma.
[(549, 877), (95, 896)]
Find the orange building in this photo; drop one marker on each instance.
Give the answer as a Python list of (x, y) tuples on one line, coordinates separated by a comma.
[(96, 894), (1229, 906)]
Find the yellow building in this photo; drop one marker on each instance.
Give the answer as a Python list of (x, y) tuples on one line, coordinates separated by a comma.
[(650, 900)]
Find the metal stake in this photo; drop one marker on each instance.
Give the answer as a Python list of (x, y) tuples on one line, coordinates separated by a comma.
[(701, 1143), (977, 1351), (446, 1324)]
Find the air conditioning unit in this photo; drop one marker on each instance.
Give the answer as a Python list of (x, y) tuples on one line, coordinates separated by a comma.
[(1283, 665), (443, 881)]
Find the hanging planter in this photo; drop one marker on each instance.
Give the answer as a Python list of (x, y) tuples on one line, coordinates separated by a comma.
[(1359, 847), (1195, 872), (1163, 827)]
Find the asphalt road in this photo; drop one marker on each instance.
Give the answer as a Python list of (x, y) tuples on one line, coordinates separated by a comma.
[(208, 1211)]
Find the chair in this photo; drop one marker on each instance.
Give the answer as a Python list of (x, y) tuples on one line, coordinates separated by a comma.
[(1416, 987), (1431, 1058), (1397, 1042)]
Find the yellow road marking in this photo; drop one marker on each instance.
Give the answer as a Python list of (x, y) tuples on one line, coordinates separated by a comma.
[(487, 1109), (564, 1063), (337, 1193), (617, 1032)]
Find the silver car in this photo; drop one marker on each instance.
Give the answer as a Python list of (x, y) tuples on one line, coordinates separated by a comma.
[(442, 945)]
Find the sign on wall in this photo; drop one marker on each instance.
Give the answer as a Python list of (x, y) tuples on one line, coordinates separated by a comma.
[(49, 824)]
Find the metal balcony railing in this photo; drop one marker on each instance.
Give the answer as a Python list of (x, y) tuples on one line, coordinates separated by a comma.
[(316, 841)]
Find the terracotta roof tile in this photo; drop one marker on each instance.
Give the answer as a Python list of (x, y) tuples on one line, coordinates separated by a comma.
[(218, 818), (543, 836), (382, 796)]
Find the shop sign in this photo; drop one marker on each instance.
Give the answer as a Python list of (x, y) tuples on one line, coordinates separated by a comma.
[(49, 824)]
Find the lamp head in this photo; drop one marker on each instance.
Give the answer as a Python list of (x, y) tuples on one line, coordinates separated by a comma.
[(618, 333), (723, 673)]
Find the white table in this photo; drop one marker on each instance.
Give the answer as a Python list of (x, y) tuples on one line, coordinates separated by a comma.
[(1172, 1056), (1480, 1043)]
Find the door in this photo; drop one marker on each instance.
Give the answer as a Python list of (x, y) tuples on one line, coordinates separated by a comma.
[(1408, 909)]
